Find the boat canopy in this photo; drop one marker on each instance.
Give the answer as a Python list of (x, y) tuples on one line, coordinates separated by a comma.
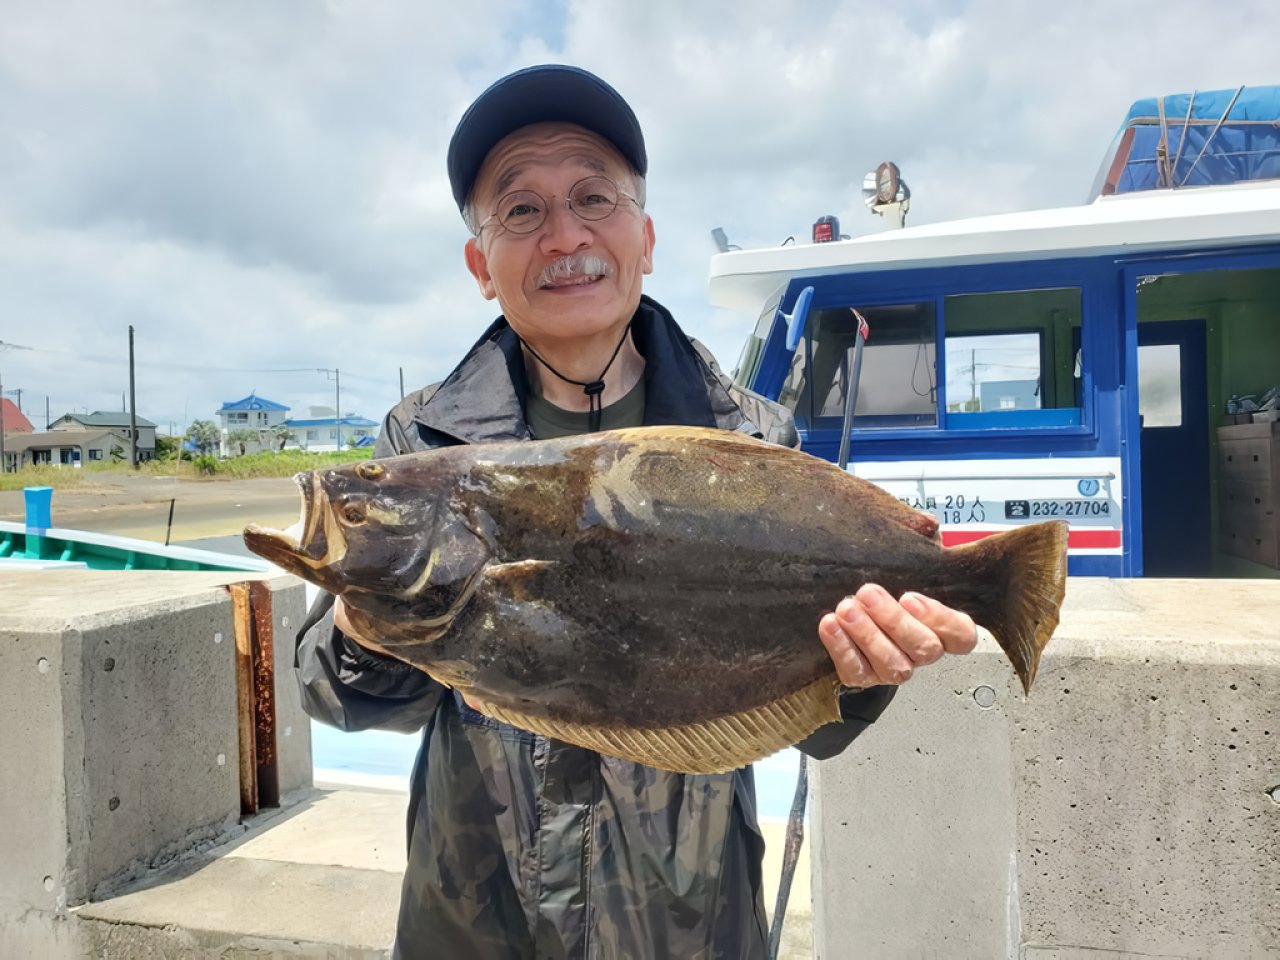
[(1195, 139)]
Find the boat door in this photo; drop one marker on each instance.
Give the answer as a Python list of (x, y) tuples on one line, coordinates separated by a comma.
[(1173, 410)]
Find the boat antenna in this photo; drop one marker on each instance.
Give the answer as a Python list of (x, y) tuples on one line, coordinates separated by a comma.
[(722, 240), (1209, 139)]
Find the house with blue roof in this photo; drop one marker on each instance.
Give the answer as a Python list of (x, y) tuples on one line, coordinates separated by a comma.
[(254, 413), (319, 431), (324, 433)]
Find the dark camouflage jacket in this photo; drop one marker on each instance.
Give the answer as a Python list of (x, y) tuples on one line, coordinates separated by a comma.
[(521, 848)]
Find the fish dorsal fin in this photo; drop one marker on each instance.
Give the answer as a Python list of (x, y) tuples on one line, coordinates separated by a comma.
[(712, 746)]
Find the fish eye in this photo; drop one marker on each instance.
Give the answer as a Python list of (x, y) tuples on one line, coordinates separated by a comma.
[(368, 470), (352, 512)]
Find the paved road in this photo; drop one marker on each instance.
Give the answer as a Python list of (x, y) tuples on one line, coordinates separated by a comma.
[(138, 506)]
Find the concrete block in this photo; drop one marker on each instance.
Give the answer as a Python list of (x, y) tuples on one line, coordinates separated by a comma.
[(914, 825), (320, 879), (234, 906), (36, 794), (159, 733), (293, 726), (118, 698), (1127, 807)]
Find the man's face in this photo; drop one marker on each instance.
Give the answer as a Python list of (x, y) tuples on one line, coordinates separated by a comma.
[(548, 159)]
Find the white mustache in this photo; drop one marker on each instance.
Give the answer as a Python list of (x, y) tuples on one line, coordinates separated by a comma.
[(575, 265)]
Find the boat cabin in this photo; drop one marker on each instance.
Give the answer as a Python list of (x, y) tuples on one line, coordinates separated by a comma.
[(1114, 364)]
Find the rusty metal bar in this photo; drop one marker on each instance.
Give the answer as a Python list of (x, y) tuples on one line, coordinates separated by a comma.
[(255, 695), (264, 699), (242, 622)]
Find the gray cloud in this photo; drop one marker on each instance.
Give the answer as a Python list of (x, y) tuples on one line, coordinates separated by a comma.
[(260, 186)]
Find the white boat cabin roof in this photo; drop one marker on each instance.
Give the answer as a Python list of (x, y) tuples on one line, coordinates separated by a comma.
[(1156, 221)]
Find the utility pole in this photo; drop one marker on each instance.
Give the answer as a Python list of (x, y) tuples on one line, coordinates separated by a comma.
[(337, 398), (133, 409), (17, 393), (973, 379), (46, 412), (402, 383)]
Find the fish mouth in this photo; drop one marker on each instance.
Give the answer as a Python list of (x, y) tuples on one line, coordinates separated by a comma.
[(303, 542)]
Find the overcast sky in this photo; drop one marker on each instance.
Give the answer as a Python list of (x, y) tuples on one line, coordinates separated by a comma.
[(258, 186)]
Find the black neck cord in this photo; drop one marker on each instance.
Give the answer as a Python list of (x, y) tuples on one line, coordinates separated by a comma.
[(595, 388)]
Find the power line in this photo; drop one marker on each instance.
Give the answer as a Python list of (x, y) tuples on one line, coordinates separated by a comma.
[(192, 367)]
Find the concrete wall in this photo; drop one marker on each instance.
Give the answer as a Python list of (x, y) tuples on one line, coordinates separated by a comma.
[(1130, 807), (120, 748)]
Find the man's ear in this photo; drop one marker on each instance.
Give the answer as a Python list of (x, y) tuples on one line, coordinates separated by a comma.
[(478, 264), (649, 240)]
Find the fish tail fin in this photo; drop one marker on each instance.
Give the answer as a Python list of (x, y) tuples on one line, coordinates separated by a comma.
[(1027, 570)]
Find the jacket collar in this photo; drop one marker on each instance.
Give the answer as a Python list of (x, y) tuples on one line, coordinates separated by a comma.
[(482, 400)]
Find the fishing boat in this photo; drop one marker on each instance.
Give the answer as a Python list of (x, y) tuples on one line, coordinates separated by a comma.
[(1113, 363), (35, 544)]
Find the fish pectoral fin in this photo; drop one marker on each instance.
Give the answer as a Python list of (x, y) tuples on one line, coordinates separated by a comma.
[(712, 746), (519, 579), (520, 567)]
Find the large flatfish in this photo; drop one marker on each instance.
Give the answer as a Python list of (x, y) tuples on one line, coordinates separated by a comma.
[(650, 593)]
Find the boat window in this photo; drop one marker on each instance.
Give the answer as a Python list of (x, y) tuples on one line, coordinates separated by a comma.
[(1160, 384), (753, 350), (1011, 352), (897, 386), (1001, 371)]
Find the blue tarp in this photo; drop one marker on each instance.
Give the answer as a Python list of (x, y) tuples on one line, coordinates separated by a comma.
[(1245, 147)]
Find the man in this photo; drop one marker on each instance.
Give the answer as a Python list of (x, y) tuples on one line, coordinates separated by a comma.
[(520, 847)]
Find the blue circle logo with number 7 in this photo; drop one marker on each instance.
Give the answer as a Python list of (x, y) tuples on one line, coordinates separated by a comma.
[(1087, 487)]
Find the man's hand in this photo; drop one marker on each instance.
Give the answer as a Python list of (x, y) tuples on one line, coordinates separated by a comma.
[(874, 639)]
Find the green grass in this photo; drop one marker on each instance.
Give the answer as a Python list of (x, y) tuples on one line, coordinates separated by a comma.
[(283, 464)]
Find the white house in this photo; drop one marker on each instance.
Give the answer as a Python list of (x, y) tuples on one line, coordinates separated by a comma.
[(319, 432), (115, 422), (66, 447), (256, 414)]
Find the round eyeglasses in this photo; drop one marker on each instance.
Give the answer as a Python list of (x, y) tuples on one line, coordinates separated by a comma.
[(523, 211)]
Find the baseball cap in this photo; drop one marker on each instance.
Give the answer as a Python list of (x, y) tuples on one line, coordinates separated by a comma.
[(542, 94)]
